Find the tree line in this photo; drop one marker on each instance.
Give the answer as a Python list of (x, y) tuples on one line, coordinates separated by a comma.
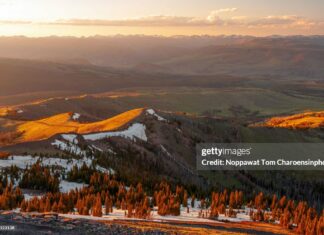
[(105, 192)]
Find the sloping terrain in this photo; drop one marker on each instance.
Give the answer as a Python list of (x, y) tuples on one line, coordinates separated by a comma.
[(219, 101), (70, 112), (40, 89), (66, 123), (204, 102), (150, 146), (298, 121), (25, 81)]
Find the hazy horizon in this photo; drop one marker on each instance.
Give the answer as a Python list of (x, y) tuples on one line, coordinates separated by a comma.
[(163, 36), (175, 36), (257, 18)]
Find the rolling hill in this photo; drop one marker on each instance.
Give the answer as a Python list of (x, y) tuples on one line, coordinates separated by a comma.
[(158, 145), (67, 123), (298, 121), (21, 78), (275, 57), (44, 89)]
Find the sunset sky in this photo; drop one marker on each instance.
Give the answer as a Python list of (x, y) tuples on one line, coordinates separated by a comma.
[(160, 17)]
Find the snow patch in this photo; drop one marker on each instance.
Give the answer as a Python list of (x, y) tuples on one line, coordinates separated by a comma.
[(104, 170), (136, 130), (111, 151), (240, 217), (69, 147), (23, 161), (28, 196), (76, 116), (165, 150), (66, 186), (153, 113), (119, 214), (70, 138), (192, 216), (96, 148)]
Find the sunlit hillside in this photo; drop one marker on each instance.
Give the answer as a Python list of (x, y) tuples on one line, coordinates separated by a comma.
[(298, 121), (4, 112), (64, 123)]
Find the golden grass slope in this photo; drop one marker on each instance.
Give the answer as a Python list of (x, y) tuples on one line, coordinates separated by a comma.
[(5, 111), (63, 123), (307, 120)]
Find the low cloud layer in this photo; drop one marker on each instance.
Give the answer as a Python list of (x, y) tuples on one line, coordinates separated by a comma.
[(221, 18), (15, 22)]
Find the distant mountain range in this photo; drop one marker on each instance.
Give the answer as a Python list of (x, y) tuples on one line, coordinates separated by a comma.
[(278, 57)]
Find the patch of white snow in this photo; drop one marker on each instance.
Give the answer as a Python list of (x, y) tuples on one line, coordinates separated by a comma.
[(153, 113), (136, 130), (69, 147), (76, 116), (70, 138), (23, 161), (66, 186)]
